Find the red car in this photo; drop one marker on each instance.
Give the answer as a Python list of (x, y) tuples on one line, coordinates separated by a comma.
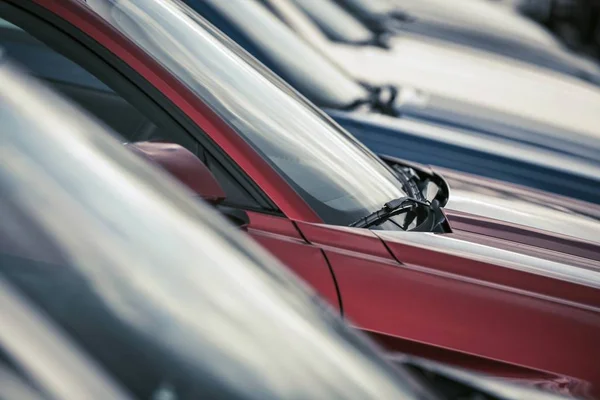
[(112, 282), (502, 279)]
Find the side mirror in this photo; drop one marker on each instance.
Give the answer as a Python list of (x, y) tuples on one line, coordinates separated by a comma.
[(236, 216), (184, 166)]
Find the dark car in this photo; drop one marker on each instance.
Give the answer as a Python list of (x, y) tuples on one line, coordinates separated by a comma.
[(416, 125), (445, 267)]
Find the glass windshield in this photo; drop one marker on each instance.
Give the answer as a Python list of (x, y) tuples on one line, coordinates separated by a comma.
[(168, 300), (294, 59), (339, 178)]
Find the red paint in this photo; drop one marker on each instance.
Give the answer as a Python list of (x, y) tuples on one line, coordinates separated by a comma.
[(183, 165), (304, 259), (274, 224), (356, 240), (486, 226), (419, 304), (524, 248), (490, 274), (417, 300)]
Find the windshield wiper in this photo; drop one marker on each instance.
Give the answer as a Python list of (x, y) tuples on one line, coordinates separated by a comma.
[(404, 205), (390, 209), (380, 98)]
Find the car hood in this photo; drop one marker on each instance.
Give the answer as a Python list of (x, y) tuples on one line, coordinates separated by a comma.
[(515, 213), (438, 110), (520, 266), (495, 86)]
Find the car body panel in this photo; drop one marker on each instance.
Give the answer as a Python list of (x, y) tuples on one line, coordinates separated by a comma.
[(467, 287), (280, 236), (517, 306), (564, 217)]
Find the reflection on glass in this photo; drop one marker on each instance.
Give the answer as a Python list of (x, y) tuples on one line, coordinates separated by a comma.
[(339, 178)]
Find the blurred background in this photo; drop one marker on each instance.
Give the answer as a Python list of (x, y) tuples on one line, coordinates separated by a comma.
[(575, 22)]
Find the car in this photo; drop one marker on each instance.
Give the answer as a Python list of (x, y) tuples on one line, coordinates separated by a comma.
[(477, 24), (115, 283), (454, 286), (419, 126), (117, 263)]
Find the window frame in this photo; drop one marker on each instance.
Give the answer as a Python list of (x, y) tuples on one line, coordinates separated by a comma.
[(66, 39)]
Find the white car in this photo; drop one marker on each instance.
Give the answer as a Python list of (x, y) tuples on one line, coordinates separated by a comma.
[(451, 83)]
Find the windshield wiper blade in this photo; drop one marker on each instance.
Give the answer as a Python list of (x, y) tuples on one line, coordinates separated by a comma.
[(391, 208)]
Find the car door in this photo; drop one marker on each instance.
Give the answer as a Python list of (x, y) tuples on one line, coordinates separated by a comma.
[(97, 85), (406, 298)]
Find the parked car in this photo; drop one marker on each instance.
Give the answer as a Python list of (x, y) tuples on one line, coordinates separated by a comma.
[(465, 289), (417, 125), (165, 298), (477, 24), (115, 284)]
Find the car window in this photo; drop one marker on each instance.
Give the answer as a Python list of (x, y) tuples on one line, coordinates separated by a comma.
[(336, 175), (75, 82), (97, 97)]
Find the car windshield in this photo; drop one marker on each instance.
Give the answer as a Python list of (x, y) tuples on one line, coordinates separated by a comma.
[(158, 289), (337, 176), (289, 55)]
